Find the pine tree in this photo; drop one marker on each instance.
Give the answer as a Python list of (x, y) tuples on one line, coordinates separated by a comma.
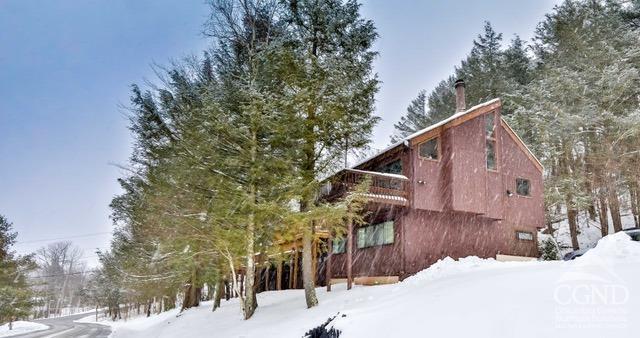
[(16, 297), (332, 89), (488, 72), (549, 249), (579, 114)]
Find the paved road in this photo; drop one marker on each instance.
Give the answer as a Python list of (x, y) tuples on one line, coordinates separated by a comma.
[(65, 327)]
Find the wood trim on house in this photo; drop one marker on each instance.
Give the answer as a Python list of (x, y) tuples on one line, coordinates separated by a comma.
[(376, 280)]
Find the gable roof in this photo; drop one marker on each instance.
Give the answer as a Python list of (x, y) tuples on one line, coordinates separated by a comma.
[(452, 120)]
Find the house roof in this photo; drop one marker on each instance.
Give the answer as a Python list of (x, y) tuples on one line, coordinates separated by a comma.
[(450, 119)]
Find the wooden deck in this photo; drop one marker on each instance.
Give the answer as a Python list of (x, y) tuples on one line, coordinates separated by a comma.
[(385, 188)]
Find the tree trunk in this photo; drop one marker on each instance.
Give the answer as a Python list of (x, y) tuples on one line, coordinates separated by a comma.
[(279, 274), (572, 215), (614, 208), (220, 289), (633, 198), (328, 262), (604, 218), (192, 292), (307, 273), (250, 279)]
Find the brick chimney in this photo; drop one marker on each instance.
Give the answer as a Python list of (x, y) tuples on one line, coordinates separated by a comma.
[(460, 104)]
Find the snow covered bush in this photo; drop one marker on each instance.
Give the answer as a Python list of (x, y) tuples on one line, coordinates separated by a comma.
[(549, 249)]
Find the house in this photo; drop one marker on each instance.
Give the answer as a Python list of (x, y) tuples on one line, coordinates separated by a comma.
[(467, 185)]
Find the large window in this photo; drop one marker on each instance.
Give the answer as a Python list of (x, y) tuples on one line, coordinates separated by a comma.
[(523, 187), (377, 234), (339, 245), (490, 131), (429, 149)]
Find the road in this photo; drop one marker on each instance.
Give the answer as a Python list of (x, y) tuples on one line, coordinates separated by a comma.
[(65, 327)]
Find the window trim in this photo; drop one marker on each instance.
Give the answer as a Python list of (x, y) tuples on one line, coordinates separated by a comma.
[(533, 237), (516, 189), (438, 145), (493, 139)]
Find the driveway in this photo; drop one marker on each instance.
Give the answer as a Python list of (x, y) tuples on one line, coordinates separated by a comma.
[(65, 327)]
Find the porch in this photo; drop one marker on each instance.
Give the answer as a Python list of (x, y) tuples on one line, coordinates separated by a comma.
[(384, 188)]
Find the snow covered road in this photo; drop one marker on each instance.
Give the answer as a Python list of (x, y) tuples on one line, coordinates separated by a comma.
[(63, 327)]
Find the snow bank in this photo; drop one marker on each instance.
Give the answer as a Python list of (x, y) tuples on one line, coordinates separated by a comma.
[(20, 327), (469, 297), (614, 247)]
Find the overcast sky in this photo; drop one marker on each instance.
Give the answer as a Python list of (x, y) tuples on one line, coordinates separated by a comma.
[(66, 67)]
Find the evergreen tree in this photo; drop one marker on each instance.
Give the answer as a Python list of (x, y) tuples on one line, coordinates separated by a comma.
[(488, 71), (549, 250), (332, 90), (16, 297), (579, 114)]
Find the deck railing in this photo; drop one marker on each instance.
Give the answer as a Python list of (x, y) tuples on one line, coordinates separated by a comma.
[(384, 188)]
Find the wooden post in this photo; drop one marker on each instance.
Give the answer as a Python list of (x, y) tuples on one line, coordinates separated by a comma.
[(279, 274), (295, 270), (314, 261), (291, 270), (266, 278), (349, 249), (328, 263)]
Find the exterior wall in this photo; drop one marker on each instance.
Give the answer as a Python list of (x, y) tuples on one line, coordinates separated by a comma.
[(382, 260), (429, 177), (460, 181), (423, 237), (527, 212), (468, 167), (430, 236)]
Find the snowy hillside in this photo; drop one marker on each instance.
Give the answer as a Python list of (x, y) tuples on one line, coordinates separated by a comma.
[(597, 295)]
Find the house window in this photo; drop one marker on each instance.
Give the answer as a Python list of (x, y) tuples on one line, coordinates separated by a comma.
[(394, 167), (429, 149), (523, 187), (490, 125), (377, 234), (524, 235), (339, 245), (490, 133), (491, 154)]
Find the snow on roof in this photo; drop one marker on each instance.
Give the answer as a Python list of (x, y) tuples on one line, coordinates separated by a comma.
[(429, 128), (366, 172)]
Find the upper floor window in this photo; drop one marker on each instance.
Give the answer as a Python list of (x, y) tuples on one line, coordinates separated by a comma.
[(376, 234), (523, 187), (490, 132), (394, 167), (490, 124), (430, 149)]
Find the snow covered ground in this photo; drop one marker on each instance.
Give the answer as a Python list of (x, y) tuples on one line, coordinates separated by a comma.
[(597, 295), (21, 327)]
